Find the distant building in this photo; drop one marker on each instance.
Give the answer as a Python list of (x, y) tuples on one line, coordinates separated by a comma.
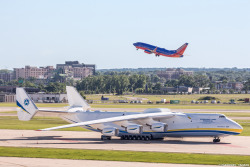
[(12, 89), (37, 97), (49, 98), (8, 98), (7, 76), (238, 86), (75, 69), (179, 89), (171, 73), (34, 72)]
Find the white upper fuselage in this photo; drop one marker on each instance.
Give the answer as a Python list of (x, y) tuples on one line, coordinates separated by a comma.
[(180, 125)]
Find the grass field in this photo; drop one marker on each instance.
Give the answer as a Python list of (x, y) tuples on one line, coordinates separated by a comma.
[(38, 104), (221, 97), (170, 106), (12, 122), (129, 156), (246, 127)]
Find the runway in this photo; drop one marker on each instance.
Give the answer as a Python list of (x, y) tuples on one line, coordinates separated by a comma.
[(238, 145)]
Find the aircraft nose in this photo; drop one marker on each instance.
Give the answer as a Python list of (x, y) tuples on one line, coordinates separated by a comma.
[(238, 126), (134, 44)]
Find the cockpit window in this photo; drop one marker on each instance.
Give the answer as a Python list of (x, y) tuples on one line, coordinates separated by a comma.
[(221, 116)]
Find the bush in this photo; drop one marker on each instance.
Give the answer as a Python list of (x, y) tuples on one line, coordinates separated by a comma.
[(208, 98)]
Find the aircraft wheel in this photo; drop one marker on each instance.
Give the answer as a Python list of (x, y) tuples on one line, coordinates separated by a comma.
[(216, 140), (125, 137), (138, 137), (147, 138), (130, 138), (143, 138)]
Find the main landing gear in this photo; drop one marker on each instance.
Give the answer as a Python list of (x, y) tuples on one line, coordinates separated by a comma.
[(136, 137), (105, 137), (216, 139)]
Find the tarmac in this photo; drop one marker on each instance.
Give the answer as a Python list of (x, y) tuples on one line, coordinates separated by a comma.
[(237, 145)]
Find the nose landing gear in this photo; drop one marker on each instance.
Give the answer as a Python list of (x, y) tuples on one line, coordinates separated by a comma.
[(216, 139)]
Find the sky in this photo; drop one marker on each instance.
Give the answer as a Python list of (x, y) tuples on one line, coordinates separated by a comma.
[(50, 32)]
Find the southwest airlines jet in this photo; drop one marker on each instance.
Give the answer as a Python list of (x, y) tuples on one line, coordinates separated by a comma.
[(153, 123), (149, 49)]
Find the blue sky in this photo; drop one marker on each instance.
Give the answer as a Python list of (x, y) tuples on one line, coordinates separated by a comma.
[(49, 32)]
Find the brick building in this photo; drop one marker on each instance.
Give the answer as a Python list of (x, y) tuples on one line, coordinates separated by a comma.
[(171, 73), (34, 72), (75, 69)]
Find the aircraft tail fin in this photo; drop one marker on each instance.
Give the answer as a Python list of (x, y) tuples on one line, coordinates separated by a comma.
[(75, 99), (182, 49), (27, 108)]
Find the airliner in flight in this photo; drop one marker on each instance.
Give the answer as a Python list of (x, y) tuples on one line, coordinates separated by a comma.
[(153, 123), (149, 49)]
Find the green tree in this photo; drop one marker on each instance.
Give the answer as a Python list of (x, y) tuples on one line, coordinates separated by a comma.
[(1, 82)]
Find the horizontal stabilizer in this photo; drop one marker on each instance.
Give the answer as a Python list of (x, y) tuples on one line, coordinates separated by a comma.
[(75, 99)]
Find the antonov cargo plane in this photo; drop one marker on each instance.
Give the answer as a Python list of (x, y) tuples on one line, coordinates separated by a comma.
[(153, 123)]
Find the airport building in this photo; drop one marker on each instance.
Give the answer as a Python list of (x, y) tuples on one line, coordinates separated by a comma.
[(76, 70), (7, 76), (172, 73), (34, 72)]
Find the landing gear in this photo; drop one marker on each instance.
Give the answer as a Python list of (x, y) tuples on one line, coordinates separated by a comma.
[(105, 137), (216, 139), (136, 137)]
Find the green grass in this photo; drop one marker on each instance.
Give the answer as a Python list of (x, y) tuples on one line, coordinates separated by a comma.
[(12, 122), (38, 104), (237, 114), (221, 97), (129, 156), (9, 112), (231, 114), (246, 127), (176, 106)]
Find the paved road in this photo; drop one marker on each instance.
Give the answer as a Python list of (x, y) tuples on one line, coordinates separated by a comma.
[(43, 162), (239, 145)]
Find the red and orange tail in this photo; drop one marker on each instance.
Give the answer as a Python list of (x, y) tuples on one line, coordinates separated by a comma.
[(182, 49)]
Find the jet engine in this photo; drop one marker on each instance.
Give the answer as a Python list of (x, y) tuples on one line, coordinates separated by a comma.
[(159, 127), (110, 131), (148, 51), (135, 129)]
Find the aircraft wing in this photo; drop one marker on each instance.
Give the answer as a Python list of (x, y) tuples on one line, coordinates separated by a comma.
[(53, 111), (116, 119)]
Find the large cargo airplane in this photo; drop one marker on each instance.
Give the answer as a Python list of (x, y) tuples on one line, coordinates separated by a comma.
[(149, 49), (151, 124)]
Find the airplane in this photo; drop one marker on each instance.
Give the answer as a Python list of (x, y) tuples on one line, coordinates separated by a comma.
[(153, 123), (149, 49)]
